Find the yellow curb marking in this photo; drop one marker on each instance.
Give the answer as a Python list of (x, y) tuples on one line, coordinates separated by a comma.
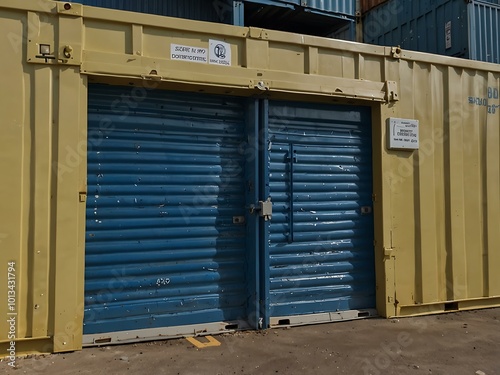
[(201, 345)]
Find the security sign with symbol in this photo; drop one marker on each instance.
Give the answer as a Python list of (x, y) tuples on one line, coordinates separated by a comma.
[(220, 53)]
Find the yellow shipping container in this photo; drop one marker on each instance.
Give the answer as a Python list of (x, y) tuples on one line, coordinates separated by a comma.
[(436, 207)]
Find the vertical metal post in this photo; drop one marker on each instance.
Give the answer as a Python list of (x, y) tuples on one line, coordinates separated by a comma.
[(472, 34), (252, 221), (292, 155), (358, 22), (264, 225), (238, 13)]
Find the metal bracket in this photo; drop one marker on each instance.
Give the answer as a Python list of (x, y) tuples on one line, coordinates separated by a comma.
[(263, 86), (153, 75), (266, 209), (396, 52), (257, 33), (392, 93)]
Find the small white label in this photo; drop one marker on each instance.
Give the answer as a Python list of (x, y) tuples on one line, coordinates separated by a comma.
[(403, 134), (447, 32), (188, 53), (220, 53)]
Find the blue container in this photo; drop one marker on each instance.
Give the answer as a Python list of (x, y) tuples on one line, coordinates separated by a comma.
[(315, 17), (446, 27), (201, 10), (325, 18), (336, 7)]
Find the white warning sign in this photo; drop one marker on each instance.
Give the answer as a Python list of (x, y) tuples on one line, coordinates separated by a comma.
[(403, 134), (220, 52), (188, 53)]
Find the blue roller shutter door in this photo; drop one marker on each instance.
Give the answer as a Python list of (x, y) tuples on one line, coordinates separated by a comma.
[(165, 180), (321, 256)]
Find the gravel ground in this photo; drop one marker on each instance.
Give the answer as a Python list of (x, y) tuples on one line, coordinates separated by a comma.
[(465, 343)]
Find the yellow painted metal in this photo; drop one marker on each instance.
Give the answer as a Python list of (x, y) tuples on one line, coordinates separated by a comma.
[(211, 341), (436, 209)]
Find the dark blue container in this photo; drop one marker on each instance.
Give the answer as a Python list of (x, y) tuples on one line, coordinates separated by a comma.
[(446, 27), (201, 10), (335, 18)]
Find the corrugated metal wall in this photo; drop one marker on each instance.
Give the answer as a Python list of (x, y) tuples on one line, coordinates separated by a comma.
[(345, 7), (446, 196), (367, 5), (419, 26), (320, 241), (345, 33), (484, 24), (446, 27), (215, 11), (201, 10), (165, 180)]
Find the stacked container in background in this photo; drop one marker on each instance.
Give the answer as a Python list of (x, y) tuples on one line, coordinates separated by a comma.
[(447, 27)]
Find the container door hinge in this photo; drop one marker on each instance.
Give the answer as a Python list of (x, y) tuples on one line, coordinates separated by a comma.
[(388, 251), (83, 197), (374, 197), (391, 90)]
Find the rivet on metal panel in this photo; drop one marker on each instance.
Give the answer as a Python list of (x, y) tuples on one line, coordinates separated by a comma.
[(392, 94)]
